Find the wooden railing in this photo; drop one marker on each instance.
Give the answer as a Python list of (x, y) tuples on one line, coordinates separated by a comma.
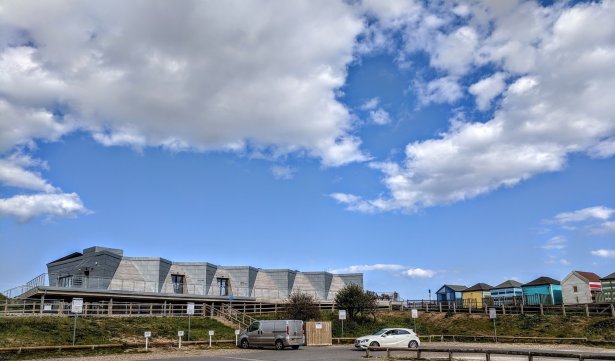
[(488, 352)]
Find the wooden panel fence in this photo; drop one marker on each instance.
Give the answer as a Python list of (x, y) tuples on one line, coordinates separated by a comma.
[(318, 333)]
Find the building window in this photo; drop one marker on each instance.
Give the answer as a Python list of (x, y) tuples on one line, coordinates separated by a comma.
[(178, 283), (66, 281), (223, 286), (575, 289)]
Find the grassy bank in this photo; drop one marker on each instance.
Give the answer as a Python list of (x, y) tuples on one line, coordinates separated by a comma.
[(49, 331), (595, 328)]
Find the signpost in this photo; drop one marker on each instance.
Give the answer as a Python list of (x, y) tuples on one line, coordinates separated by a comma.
[(147, 335), (342, 316), (180, 334), (415, 315), (76, 308), (493, 316), (211, 333), (236, 337), (190, 312)]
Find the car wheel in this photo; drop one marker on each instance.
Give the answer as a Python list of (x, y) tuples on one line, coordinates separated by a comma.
[(295, 347), (413, 344), (374, 344), (244, 343), (279, 345)]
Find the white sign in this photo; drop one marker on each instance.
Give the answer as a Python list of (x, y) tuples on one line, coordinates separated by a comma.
[(415, 313), (318, 325), (77, 305), (190, 309), (47, 307), (342, 314), (237, 332), (147, 334), (211, 333), (492, 314), (180, 333)]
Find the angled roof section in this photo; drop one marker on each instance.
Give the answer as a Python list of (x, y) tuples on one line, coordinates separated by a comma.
[(479, 287), (543, 281), (72, 255), (590, 276), (609, 277), (508, 284), (457, 288)]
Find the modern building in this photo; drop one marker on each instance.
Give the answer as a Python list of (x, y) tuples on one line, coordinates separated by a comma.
[(450, 293), (608, 288), (507, 293), (476, 295), (107, 269), (580, 287), (543, 290)]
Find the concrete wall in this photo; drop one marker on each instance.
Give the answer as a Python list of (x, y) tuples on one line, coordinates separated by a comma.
[(93, 269), (582, 294), (112, 271)]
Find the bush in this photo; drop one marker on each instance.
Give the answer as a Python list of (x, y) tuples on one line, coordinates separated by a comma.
[(356, 302), (302, 306)]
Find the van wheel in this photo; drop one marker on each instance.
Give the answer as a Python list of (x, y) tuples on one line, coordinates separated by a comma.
[(244, 343), (295, 347), (374, 344), (279, 345), (413, 344)]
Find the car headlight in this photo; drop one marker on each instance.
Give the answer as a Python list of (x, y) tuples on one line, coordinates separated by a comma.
[(364, 340)]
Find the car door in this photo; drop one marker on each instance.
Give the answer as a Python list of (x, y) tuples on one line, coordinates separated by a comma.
[(403, 338), (254, 334), (388, 338)]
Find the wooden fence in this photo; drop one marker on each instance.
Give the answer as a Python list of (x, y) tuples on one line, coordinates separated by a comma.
[(318, 333)]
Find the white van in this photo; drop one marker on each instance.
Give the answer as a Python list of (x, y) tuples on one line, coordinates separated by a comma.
[(276, 333)]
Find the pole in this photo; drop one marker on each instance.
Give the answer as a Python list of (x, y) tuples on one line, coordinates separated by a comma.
[(414, 325), (342, 328), (180, 342), (210, 340), (188, 327), (146, 343), (74, 329), (495, 332)]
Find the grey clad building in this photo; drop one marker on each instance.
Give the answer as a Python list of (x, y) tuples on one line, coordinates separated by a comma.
[(107, 270)]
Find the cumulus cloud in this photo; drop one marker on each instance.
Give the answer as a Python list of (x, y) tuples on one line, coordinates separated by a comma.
[(26, 207), (595, 213), (418, 273), (604, 253), (283, 172), (487, 89), (396, 268), (181, 76), (377, 115), (561, 58), (441, 90)]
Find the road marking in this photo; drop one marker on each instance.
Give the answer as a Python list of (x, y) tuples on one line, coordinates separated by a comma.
[(241, 358)]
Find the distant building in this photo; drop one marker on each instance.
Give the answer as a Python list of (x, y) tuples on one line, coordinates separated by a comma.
[(608, 288), (107, 269), (474, 296), (507, 293), (543, 290), (580, 287), (450, 293)]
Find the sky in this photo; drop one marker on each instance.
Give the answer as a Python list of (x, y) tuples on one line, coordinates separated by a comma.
[(420, 143)]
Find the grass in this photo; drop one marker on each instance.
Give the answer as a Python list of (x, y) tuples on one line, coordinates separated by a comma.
[(594, 328), (51, 331)]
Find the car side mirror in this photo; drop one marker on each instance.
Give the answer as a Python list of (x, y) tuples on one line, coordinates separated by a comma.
[(383, 336)]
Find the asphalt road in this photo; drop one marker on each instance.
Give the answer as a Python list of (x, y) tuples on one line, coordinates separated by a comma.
[(348, 353)]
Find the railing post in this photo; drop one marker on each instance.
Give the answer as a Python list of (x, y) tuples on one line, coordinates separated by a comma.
[(110, 306), (487, 356), (563, 310), (42, 304), (450, 355), (522, 308), (388, 354), (586, 310), (613, 310), (542, 310), (454, 307), (440, 306)]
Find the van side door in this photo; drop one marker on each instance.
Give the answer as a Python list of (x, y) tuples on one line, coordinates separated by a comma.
[(254, 333)]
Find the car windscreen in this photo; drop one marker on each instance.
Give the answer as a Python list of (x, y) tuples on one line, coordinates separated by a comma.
[(381, 332)]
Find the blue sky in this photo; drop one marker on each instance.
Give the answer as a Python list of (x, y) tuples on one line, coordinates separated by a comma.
[(419, 144)]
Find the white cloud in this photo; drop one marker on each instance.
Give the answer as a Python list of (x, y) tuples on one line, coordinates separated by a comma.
[(441, 90), (419, 273), (371, 104), (565, 262), (604, 253), (283, 172), (27, 207), (377, 115), (557, 242), (485, 90), (563, 57), (598, 212), (13, 174), (182, 76), (604, 228), (405, 271)]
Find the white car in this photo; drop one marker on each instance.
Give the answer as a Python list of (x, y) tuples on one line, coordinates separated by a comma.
[(389, 337)]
